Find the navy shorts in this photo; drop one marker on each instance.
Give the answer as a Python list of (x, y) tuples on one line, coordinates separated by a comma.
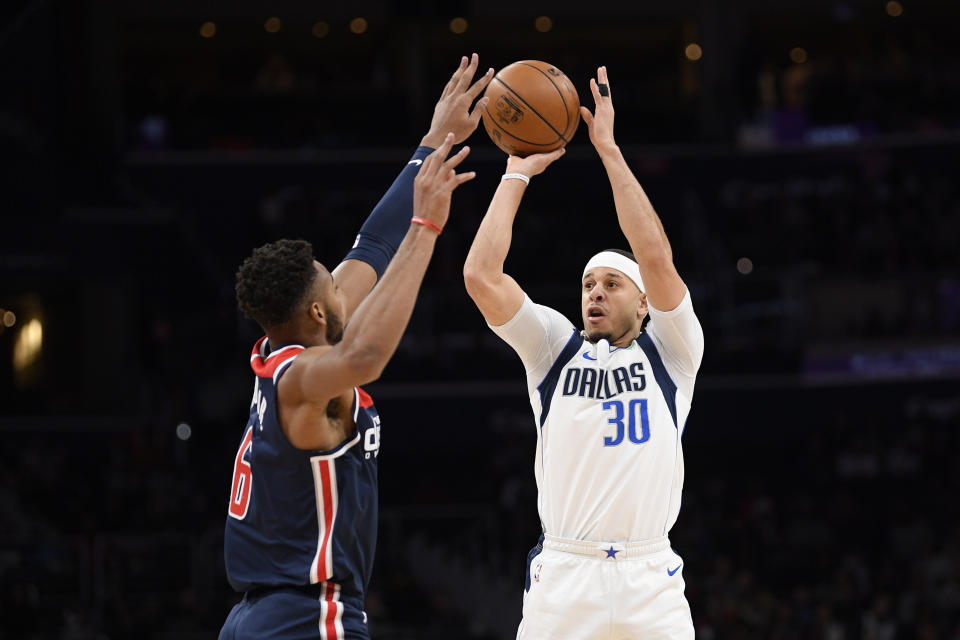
[(292, 613)]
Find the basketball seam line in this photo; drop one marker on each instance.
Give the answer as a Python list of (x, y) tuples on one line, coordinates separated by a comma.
[(562, 99), (493, 119), (559, 135)]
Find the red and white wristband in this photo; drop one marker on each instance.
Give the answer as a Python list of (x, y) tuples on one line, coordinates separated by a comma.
[(433, 226)]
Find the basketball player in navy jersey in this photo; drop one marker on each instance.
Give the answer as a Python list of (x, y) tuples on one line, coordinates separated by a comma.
[(610, 404), (302, 517)]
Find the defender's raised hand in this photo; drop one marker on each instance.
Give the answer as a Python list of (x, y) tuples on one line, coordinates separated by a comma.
[(600, 123), (452, 112), (436, 182)]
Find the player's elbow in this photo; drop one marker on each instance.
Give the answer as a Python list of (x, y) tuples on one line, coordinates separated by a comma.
[(477, 280)]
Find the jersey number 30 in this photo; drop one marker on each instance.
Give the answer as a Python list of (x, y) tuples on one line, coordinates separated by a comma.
[(242, 480), (636, 406)]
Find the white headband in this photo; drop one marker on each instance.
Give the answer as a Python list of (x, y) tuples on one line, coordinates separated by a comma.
[(613, 260)]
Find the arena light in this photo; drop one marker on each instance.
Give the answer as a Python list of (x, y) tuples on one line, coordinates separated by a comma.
[(693, 52), (273, 25), (320, 29), (184, 431), (543, 24), (27, 346), (458, 25), (358, 25), (9, 318), (798, 55), (208, 29), (894, 9), (745, 266)]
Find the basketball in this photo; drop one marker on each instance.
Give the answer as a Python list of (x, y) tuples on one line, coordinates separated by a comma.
[(533, 108)]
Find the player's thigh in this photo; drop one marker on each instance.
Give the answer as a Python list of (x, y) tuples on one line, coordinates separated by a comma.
[(287, 615), (229, 629), (566, 599), (652, 604)]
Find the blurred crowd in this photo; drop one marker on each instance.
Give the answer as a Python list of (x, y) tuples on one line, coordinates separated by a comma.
[(842, 529)]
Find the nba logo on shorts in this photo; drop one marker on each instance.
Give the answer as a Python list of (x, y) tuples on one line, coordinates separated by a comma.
[(536, 572)]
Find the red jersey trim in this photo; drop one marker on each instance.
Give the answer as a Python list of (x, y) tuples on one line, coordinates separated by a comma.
[(267, 366)]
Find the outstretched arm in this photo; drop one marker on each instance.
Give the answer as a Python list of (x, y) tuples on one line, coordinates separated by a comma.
[(496, 294), (387, 224), (638, 220), (379, 322)]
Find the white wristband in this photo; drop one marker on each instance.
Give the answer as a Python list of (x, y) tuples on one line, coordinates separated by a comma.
[(515, 176)]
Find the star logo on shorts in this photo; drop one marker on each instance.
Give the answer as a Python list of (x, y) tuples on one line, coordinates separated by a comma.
[(612, 553)]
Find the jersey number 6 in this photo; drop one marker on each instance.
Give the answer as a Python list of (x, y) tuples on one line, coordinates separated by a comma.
[(242, 479), (617, 420)]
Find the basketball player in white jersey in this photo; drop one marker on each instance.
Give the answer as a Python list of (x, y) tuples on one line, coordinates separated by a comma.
[(610, 404)]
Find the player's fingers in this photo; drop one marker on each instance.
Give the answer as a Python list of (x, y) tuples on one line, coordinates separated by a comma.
[(464, 177), (452, 82), (434, 161), (467, 76), (443, 150), (595, 90), (426, 166), (478, 110), (587, 117), (457, 158), (480, 84), (603, 83)]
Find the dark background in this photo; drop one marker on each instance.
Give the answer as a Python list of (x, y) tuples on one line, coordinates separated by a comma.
[(806, 171)]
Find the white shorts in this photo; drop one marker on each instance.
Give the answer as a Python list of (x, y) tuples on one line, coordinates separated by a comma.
[(605, 591)]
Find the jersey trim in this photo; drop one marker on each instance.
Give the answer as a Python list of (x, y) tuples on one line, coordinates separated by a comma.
[(549, 383), (361, 400), (324, 469), (272, 365), (331, 612), (667, 386), (325, 486)]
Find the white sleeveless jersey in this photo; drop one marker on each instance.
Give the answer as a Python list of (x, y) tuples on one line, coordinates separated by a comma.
[(609, 461)]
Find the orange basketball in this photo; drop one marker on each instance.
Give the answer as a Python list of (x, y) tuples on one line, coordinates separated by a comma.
[(533, 108)]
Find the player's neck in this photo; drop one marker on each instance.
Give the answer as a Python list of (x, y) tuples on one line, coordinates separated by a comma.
[(624, 340), (286, 335)]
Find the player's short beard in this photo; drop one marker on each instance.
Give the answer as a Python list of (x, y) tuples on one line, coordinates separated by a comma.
[(334, 328)]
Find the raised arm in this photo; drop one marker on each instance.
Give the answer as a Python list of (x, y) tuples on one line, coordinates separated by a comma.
[(372, 336), (387, 224), (638, 220), (496, 294)]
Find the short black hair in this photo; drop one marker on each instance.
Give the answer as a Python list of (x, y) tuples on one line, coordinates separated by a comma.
[(274, 281), (627, 254)]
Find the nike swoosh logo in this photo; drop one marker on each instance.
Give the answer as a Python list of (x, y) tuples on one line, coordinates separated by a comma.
[(670, 573), (587, 356), (415, 162)]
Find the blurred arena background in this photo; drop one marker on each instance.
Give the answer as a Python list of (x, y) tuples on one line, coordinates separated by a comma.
[(803, 157)]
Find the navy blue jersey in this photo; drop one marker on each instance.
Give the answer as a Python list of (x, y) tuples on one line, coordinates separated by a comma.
[(295, 517)]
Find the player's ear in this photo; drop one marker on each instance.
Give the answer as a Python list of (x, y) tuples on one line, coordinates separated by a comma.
[(642, 305), (317, 313)]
